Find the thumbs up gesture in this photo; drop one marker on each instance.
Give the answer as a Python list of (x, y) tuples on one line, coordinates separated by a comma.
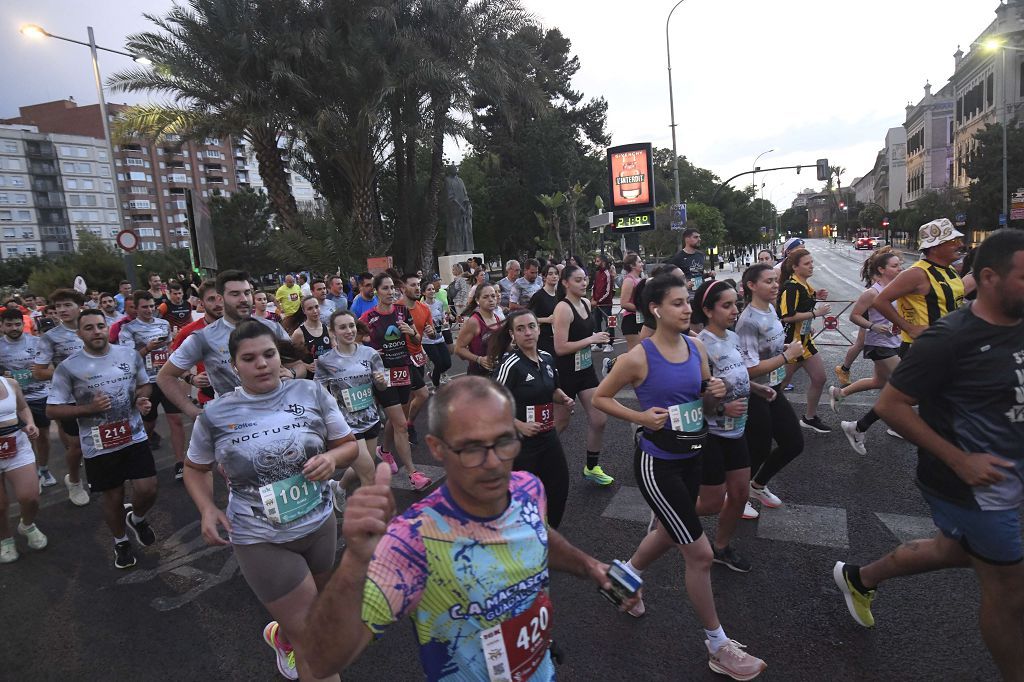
[(367, 514)]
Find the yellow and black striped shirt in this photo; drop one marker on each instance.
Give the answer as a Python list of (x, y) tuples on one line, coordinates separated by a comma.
[(797, 296), (945, 295)]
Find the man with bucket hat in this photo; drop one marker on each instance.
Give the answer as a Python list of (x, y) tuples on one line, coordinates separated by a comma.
[(929, 289)]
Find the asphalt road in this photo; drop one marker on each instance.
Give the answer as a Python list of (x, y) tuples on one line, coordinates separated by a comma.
[(185, 613)]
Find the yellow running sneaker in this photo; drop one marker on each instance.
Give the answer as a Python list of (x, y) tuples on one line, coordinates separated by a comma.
[(597, 475), (858, 603), (843, 375)]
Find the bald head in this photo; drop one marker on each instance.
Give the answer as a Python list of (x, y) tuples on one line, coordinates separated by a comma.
[(464, 390)]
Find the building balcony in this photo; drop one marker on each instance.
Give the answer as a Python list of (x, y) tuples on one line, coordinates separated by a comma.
[(178, 178), (49, 202), (40, 150), (41, 168)]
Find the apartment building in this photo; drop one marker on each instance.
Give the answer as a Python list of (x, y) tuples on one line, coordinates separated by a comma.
[(929, 126), (51, 188), (306, 197)]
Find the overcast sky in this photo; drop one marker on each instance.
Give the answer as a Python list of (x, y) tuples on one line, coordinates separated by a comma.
[(807, 78)]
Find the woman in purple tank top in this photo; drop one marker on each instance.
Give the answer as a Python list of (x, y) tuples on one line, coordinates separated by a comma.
[(670, 374)]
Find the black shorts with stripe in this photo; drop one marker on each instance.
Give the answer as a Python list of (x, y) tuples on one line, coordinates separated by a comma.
[(670, 487)]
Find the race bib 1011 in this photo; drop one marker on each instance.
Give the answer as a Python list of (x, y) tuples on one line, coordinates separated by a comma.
[(291, 498)]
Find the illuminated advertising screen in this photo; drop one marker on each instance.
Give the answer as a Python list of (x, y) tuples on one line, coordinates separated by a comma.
[(629, 177)]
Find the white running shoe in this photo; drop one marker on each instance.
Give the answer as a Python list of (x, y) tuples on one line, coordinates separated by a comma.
[(855, 437), (46, 478), (765, 497), (835, 396), (894, 434), (8, 551), (340, 496), (638, 609), (76, 491), (36, 539), (749, 512)]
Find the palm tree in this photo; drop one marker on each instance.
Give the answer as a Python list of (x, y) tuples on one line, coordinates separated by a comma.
[(226, 66), (551, 218)]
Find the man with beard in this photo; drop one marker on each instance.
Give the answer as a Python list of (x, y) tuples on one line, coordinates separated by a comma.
[(966, 372), (105, 388), (210, 346), (109, 308)]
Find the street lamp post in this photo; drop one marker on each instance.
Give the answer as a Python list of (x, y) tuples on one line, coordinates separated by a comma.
[(35, 31), (753, 177), (672, 103), (992, 44)]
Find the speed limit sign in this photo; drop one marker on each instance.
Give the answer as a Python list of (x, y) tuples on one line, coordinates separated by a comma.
[(128, 240)]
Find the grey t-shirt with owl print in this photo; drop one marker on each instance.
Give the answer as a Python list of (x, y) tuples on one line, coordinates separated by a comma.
[(117, 373), (262, 441)]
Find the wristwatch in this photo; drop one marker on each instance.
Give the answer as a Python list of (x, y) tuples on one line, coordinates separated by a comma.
[(720, 410)]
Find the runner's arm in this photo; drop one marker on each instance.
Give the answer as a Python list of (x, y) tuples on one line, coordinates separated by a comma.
[(462, 341), (169, 379), (42, 372), (910, 281), (630, 368), (562, 318), (25, 412), (788, 307), (626, 296), (860, 309)]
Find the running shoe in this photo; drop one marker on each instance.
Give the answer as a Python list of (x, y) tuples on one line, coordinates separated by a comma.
[(597, 475), (815, 424), (857, 603), (340, 497), (835, 396), (731, 660), (894, 434), (843, 375), (36, 539), (8, 551), (284, 651), (638, 609), (144, 535), (765, 497), (414, 438), (46, 478), (730, 559), (76, 491), (179, 471), (789, 387), (855, 437), (419, 480), (124, 557), (606, 365), (444, 378), (749, 512), (387, 457)]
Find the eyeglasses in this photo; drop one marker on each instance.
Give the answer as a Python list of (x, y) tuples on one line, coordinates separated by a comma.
[(475, 455)]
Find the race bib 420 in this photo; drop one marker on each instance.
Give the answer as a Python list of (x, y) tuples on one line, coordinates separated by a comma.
[(515, 648)]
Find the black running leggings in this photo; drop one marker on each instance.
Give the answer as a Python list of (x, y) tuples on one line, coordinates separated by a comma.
[(543, 457), (442, 359), (768, 421)]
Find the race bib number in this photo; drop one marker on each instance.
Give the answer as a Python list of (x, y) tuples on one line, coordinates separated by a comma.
[(112, 435), (805, 328), (156, 359), (541, 414), (515, 649), (732, 423), (776, 376), (357, 398), (419, 359), (689, 417), (290, 499), (399, 376), (613, 321), (582, 359), (697, 280), (8, 446), (22, 376), (639, 317)]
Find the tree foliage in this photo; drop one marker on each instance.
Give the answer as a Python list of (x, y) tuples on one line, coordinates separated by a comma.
[(241, 231), (985, 168)]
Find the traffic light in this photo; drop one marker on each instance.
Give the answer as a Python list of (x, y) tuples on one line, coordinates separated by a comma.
[(842, 205), (885, 221), (824, 172)]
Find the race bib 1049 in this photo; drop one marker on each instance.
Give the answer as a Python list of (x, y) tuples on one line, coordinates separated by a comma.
[(290, 499), (357, 398)]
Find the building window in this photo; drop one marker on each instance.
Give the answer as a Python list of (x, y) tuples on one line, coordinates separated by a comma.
[(88, 184), (69, 167), (84, 167), (101, 155), (133, 162), (71, 183), (10, 147), (14, 164), (138, 177), (989, 87), (24, 215)]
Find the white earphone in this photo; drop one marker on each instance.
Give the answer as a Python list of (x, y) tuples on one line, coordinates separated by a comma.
[(657, 314)]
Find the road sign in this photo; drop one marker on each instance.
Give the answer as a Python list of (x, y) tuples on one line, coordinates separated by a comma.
[(961, 219), (831, 322), (601, 220), (678, 216), (128, 240), (1002, 218), (1016, 214)]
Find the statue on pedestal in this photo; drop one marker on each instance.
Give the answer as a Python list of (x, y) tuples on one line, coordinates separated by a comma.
[(459, 214)]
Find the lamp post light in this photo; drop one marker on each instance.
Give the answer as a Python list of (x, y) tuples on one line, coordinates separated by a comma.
[(991, 45), (36, 31), (671, 103), (753, 177)]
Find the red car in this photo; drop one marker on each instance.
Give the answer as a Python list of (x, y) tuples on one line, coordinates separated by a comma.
[(866, 243)]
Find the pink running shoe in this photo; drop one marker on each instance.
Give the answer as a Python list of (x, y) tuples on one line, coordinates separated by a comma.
[(386, 456), (418, 480), (284, 651)]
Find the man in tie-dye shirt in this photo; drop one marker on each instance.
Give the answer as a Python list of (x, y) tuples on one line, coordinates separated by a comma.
[(468, 564)]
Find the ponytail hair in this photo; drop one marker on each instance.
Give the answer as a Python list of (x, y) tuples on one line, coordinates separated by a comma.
[(752, 276), (878, 259), (567, 272), (501, 340), (791, 261)]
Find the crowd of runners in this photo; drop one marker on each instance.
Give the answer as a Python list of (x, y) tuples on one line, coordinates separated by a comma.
[(304, 399)]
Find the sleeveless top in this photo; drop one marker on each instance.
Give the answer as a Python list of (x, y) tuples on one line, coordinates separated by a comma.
[(668, 384), (316, 345), (874, 317), (580, 328), (9, 405), (945, 295), (632, 295), (478, 344)]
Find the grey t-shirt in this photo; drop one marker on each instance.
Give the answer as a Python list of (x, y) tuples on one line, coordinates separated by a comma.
[(728, 365), (17, 357), (349, 378), (761, 337), (209, 345), (117, 373), (523, 290), (262, 440), (57, 344), (136, 334)]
